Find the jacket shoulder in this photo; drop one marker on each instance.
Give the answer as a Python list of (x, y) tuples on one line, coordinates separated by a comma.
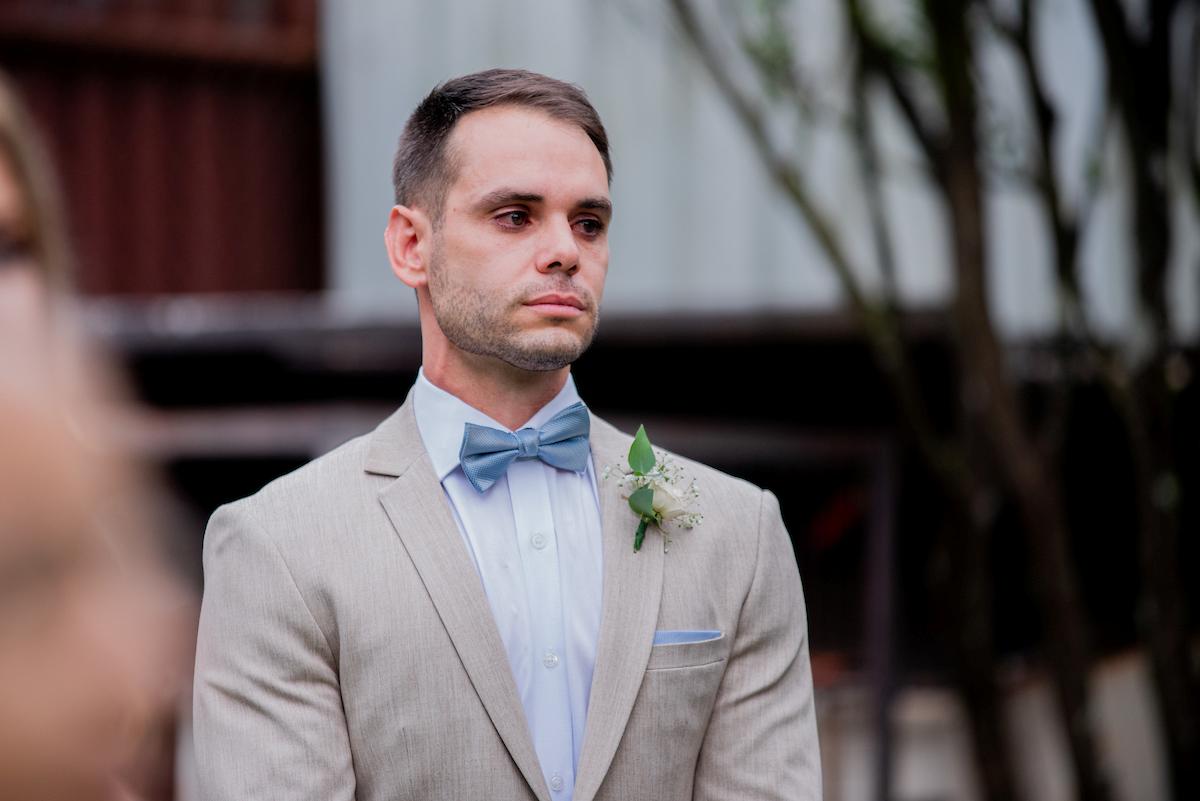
[(310, 487)]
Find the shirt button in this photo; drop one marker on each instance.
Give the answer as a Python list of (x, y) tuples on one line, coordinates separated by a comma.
[(538, 540), (556, 782), (550, 660)]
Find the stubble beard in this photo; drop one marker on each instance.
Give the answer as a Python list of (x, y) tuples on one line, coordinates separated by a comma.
[(483, 325)]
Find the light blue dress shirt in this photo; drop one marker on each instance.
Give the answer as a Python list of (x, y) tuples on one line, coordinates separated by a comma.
[(535, 539)]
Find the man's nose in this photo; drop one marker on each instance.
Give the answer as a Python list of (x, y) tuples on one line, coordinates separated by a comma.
[(560, 250)]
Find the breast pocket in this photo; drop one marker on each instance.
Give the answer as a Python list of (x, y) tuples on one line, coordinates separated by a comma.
[(674, 704), (675, 655)]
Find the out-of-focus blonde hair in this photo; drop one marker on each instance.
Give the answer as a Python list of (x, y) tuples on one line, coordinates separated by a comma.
[(22, 152), (95, 626)]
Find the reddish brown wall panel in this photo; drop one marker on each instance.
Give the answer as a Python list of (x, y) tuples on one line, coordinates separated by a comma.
[(190, 156)]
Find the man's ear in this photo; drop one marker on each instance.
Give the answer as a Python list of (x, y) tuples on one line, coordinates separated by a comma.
[(409, 238)]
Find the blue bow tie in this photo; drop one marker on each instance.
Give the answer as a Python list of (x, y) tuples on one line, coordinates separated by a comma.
[(562, 442)]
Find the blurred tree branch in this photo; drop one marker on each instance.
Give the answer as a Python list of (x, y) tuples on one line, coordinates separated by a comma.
[(881, 336), (1140, 75)]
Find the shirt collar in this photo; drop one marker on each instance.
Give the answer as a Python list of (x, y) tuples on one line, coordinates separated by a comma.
[(442, 417)]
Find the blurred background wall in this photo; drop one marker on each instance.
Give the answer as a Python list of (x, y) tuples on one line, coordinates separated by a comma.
[(226, 165), (700, 226)]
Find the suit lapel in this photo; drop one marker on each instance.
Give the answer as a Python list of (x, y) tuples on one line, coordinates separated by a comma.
[(631, 593), (421, 515)]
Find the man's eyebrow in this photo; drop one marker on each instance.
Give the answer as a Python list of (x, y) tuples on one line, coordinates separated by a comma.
[(601, 204), (502, 197)]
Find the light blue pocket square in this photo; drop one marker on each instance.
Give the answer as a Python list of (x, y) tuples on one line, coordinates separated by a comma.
[(685, 637)]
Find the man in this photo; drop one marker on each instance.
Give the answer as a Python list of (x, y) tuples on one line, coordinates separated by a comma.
[(451, 606)]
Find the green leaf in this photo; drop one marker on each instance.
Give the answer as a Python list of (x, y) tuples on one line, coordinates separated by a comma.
[(639, 535), (642, 502), (641, 455)]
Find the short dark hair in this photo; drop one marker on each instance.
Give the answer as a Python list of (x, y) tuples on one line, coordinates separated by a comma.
[(423, 172)]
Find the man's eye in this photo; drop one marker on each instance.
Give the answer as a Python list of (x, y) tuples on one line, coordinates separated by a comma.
[(591, 227), (514, 219)]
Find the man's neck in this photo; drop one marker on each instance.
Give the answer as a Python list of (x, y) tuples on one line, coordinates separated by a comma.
[(504, 393)]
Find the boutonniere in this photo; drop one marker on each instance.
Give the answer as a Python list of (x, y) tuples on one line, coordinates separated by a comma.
[(658, 493)]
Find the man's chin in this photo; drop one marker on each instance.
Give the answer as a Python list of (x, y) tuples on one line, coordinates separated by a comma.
[(544, 362), (545, 356)]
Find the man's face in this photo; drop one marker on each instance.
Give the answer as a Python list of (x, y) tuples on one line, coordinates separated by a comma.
[(527, 216)]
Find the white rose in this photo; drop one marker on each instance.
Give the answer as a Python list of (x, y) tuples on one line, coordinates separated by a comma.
[(668, 503)]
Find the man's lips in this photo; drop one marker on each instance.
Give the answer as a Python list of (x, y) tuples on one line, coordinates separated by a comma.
[(557, 305), (557, 300)]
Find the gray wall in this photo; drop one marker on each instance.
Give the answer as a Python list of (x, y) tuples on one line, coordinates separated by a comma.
[(698, 225)]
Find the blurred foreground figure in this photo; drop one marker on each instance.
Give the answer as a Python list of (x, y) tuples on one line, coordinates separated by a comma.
[(86, 607), (93, 625)]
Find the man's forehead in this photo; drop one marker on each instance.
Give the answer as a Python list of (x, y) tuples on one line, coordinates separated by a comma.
[(509, 119), (517, 147)]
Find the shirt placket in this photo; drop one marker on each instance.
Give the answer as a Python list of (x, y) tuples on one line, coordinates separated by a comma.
[(548, 705)]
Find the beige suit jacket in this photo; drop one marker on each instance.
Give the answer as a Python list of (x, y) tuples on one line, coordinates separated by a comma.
[(347, 650)]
